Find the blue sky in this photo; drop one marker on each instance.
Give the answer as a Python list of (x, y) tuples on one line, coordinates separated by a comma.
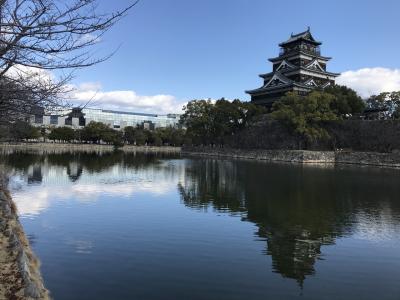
[(188, 49)]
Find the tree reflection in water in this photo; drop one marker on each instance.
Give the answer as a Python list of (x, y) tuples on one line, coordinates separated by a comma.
[(33, 164), (297, 209)]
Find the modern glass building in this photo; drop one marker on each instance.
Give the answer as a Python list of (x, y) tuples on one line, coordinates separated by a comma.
[(119, 119), (77, 117)]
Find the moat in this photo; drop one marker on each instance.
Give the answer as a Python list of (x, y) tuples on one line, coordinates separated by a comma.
[(161, 226)]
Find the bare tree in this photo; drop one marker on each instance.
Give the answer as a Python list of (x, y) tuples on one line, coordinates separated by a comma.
[(28, 93), (37, 36)]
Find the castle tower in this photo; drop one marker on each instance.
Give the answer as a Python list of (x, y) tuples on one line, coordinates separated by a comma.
[(299, 67)]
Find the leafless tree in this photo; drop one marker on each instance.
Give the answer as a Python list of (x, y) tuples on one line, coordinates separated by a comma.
[(37, 36)]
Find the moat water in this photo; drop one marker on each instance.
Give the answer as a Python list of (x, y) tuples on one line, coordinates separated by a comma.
[(147, 226)]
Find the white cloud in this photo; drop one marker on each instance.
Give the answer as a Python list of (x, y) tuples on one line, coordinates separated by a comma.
[(80, 246), (92, 93), (90, 86), (89, 38), (117, 182), (30, 73), (33, 200), (126, 100), (370, 81)]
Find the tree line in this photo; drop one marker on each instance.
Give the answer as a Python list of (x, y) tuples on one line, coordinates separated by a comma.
[(208, 122), (203, 122), (388, 103), (95, 133), (306, 117)]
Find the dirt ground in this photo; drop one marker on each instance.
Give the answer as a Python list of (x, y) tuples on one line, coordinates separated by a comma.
[(19, 268), (11, 286)]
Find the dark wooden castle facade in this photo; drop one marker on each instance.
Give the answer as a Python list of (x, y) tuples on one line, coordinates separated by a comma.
[(299, 68)]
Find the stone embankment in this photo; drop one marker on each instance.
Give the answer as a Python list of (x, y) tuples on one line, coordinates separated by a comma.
[(61, 148), (391, 160), (302, 156), (19, 268)]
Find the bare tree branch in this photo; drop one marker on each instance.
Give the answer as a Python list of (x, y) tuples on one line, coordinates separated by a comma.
[(46, 35)]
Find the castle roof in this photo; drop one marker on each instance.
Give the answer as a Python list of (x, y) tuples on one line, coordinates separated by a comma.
[(278, 80), (305, 35), (298, 68), (300, 52)]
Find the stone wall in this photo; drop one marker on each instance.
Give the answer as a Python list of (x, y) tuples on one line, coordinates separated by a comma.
[(368, 158), (301, 156), (19, 268), (298, 156), (356, 135)]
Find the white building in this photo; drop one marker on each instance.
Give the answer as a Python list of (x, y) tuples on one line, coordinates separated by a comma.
[(78, 118)]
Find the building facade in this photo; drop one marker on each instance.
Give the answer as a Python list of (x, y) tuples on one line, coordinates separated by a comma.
[(78, 118), (300, 68)]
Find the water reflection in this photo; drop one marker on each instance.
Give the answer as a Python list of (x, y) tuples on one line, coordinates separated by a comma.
[(86, 176), (297, 209), (33, 164)]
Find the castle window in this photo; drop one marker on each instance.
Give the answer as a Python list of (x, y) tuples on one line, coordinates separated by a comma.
[(54, 120), (38, 119)]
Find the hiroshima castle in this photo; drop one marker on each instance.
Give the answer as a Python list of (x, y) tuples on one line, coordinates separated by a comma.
[(299, 68)]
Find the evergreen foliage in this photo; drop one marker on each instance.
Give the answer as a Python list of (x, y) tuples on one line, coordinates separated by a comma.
[(208, 123), (346, 102), (62, 134), (21, 130), (388, 103), (304, 115)]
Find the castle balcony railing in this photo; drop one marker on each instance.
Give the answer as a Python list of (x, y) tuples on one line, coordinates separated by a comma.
[(313, 51)]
